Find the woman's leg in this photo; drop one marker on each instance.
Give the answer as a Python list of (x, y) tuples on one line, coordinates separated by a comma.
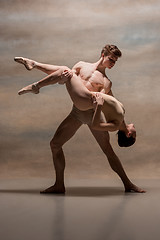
[(47, 68), (30, 64), (55, 77)]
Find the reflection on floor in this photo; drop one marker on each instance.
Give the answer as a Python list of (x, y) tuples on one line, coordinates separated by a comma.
[(90, 210)]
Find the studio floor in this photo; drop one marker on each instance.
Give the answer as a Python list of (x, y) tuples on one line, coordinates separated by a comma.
[(90, 210)]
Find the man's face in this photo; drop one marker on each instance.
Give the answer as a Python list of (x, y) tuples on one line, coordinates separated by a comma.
[(109, 61)]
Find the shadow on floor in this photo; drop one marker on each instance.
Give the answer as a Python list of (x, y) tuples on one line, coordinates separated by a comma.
[(20, 191), (78, 191), (94, 191)]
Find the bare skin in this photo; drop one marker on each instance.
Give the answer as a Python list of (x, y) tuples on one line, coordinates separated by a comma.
[(90, 75), (80, 90), (28, 63), (70, 125)]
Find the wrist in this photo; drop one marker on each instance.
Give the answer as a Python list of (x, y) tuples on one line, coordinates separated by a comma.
[(99, 105)]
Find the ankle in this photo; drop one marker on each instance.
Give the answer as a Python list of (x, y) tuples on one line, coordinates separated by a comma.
[(35, 88), (37, 85), (35, 64)]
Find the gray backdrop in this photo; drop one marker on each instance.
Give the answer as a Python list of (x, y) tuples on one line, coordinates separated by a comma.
[(64, 32)]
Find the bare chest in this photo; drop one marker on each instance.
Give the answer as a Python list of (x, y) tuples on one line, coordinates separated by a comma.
[(93, 79)]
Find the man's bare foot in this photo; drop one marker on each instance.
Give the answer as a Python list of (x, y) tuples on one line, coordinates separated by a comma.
[(134, 188), (33, 88), (54, 190), (28, 63)]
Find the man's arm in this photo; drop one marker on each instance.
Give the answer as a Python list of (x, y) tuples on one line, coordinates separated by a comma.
[(96, 122), (110, 93), (107, 90), (67, 74), (107, 86), (123, 126), (111, 126)]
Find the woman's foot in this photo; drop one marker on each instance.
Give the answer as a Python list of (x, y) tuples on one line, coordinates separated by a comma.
[(28, 63), (33, 88)]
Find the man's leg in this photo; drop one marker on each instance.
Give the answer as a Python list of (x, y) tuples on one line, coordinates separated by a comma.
[(64, 132), (103, 140)]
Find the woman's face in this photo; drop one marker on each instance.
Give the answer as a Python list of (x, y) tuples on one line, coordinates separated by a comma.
[(109, 61), (132, 130)]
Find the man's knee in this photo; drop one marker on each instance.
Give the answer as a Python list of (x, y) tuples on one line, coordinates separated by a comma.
[(55, 145)]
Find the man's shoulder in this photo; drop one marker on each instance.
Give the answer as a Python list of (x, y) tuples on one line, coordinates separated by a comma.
[(84, 63), (78, 64)]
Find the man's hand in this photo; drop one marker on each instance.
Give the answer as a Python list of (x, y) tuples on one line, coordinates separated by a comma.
[(67, 73), (65, 76)]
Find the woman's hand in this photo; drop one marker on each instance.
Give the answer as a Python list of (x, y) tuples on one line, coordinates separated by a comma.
[(97, 99)]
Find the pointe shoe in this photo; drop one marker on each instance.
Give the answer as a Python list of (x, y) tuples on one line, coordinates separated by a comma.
[(31, 88), (29, 64)]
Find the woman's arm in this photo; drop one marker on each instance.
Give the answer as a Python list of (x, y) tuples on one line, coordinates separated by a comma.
[(97, 116)]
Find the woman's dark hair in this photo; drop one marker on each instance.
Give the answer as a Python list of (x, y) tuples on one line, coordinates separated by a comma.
[(123, 140)]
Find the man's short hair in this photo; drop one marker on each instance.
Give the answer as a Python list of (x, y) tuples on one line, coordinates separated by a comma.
[(111, 50)]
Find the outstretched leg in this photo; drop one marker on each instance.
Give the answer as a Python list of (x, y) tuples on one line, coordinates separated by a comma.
[(103, 140), (50, 79), (64, 132), (30, 64)]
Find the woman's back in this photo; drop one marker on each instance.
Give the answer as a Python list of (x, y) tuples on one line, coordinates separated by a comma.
[(113, 109)]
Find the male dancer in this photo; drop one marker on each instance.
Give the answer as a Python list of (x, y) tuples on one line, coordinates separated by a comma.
[(94, 78)]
